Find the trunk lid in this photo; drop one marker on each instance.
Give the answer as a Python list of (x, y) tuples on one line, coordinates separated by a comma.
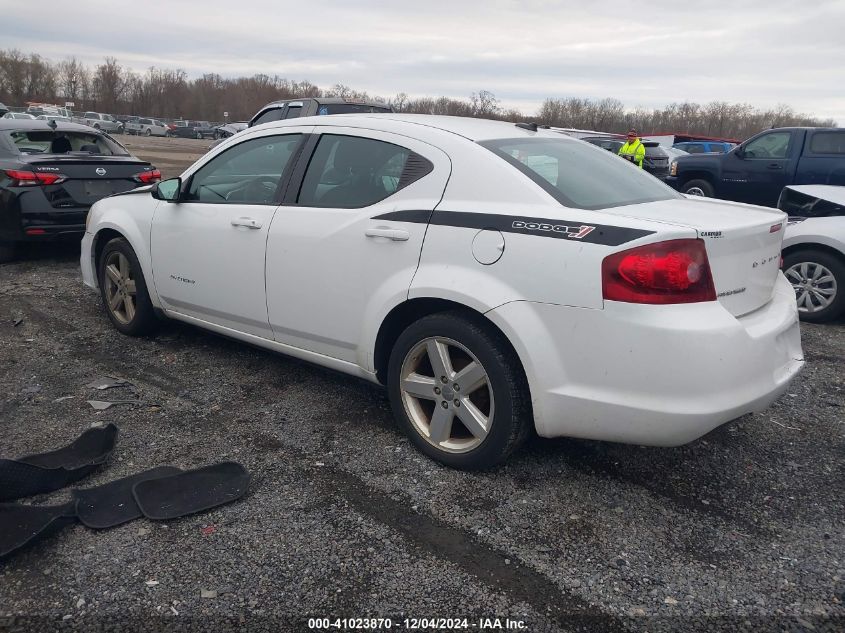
[(89, 178), (743, 244)]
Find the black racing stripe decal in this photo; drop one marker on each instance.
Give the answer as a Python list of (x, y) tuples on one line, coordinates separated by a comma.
[(604, 234), (417, 217)]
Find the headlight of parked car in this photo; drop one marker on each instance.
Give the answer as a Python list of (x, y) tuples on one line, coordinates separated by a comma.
[(673, 168)]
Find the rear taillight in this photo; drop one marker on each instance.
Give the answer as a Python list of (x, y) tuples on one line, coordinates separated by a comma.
[(676, 271), (33, 178), (148, 177)]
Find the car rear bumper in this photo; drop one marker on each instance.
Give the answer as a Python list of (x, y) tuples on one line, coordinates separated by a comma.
[(657, 375)]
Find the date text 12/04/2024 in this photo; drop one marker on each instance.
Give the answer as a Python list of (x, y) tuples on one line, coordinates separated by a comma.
[(411, 624)]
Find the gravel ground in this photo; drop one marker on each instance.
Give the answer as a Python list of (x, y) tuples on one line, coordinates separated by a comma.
[(741, 530)]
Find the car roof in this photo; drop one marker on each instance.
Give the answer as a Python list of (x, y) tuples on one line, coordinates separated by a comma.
[(37, 125), (420, 124)]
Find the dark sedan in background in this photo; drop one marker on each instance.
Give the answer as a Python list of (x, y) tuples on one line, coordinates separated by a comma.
[(192, 129), (52, 172)]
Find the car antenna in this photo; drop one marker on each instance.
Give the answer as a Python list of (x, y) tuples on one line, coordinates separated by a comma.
[(532, 127)]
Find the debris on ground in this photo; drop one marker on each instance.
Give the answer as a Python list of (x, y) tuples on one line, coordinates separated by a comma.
[(107, 382)]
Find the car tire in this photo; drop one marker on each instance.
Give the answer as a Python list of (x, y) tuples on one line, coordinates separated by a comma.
[(818, 278), (698, 188), (96, 126), (8, 252), (148, 132), (199, 135), (432, 413), (130, 312)]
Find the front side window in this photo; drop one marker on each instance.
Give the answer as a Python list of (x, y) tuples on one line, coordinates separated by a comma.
[(248, 173), (578, 175), (293, 112), (771, 145), (274, 114), (351, 172), (828, 143)]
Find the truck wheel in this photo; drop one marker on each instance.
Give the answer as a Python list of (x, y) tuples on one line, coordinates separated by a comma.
[(698, 188), (458, 391), (8, 252), (148, 132), (818, 278)]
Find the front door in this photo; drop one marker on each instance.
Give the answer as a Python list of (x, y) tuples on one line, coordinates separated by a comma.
[(341, 248), (208, 248), (761, 173)]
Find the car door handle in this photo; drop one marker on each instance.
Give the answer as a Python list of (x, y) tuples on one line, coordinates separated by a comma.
[(774, 166), (250, 223), (397, 235)]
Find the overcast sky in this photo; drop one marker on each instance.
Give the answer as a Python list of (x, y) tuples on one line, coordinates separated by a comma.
[(645, 53)]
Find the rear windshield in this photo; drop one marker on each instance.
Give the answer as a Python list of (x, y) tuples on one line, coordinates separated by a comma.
[(347, 108), (63, 142), (579, 175)]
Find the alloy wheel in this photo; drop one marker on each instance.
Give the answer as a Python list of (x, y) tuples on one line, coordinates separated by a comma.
[(695, 191), (447, 394), (120, 287), (815, 285)]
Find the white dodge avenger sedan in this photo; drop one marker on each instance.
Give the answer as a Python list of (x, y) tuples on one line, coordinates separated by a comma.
[(496, 278)]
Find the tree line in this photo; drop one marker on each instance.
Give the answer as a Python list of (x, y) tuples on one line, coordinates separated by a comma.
[(163, 93)]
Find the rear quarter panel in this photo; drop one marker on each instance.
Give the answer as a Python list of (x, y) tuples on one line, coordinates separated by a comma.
[(535, 265)]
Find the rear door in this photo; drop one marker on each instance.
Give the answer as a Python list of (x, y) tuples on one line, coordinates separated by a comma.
[(337, 252), (208, 248), (763, 169), (823, 160)]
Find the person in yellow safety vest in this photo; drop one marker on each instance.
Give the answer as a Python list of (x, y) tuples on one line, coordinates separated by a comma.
[(633, 150)]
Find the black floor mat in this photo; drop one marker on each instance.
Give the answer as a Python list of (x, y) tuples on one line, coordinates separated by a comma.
[(46, 472), (23, 525), (112, 504), (191, 491)]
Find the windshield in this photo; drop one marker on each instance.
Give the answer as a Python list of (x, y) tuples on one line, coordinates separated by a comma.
[(64, 142), (580, 175)]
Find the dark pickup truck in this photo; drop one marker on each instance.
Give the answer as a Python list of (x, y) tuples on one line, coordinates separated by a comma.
[(757, 170)]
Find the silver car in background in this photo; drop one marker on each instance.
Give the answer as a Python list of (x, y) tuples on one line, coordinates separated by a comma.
[(99, 121)]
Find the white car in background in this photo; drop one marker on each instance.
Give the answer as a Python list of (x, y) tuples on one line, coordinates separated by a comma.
[(496, 278), (151, 127), (814, 249)]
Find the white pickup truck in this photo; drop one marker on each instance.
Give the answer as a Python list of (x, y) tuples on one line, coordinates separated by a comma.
[(104, 122)]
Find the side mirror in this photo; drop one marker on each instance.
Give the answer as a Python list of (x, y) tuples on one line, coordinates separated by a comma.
[(167, 190), (739, 152)]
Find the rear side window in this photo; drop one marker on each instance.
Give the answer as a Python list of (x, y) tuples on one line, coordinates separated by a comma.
[(694, 148), (350, 172), (828, 143), (717, 149), (349, 108), (578, 175)]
